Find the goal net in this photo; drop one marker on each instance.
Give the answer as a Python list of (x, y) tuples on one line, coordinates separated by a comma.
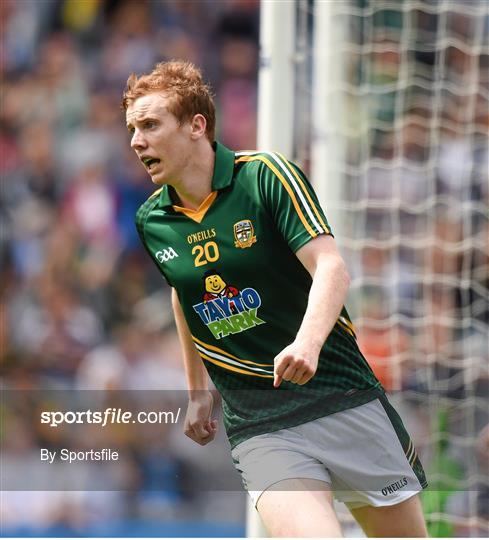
[(391, 122)]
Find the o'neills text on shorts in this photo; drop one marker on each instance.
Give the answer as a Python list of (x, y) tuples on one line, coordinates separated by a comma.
[(396, 486)]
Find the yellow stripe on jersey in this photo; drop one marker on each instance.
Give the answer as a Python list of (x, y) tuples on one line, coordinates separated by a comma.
[(199, 214), (229, 355), (343, 325), (286, 186), (306, 191), (157, 192), (233, 368), (348, 325)]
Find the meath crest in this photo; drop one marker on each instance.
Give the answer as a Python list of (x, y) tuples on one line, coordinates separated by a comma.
[(243, 234)]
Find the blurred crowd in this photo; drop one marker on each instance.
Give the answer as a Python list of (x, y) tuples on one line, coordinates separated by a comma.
[(418, 181), (82, 305), (84, 308), (416, 234)]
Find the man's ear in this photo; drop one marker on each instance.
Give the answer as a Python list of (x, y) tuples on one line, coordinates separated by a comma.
[(198, 126)]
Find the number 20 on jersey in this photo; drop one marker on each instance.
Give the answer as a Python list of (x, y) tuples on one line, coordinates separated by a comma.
[(203, 254)]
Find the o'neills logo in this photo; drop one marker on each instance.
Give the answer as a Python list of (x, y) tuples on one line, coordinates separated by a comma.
[(396, 486)]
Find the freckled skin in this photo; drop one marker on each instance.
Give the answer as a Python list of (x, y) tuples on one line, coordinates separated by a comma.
[(156, 132)]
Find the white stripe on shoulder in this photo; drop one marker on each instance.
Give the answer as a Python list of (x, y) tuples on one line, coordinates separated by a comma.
[(249, 153), (298, 190), (227, 360)]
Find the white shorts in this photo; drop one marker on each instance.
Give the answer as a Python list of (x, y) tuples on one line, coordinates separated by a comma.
[(365, 454)]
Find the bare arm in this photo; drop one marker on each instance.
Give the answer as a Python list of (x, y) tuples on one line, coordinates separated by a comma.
[(330, 281), (195, 371), (329, 288), (198, 425)]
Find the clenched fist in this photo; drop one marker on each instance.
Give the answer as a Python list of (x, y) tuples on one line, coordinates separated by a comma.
[(296, 363), (198, 424)]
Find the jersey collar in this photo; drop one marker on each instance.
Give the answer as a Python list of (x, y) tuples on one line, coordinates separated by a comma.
[(222, 178)]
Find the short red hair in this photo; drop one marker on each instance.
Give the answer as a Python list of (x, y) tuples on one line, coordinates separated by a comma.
[(180, 81)]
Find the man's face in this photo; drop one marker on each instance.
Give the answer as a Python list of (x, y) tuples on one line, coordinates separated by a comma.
[(160, 142)]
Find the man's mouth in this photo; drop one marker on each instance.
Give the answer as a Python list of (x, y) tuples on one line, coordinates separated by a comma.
[(150, 162)]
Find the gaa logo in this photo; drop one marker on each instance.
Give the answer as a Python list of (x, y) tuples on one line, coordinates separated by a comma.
[(166, 255)]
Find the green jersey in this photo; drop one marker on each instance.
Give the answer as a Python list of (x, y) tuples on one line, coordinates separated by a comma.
[(244, 292)]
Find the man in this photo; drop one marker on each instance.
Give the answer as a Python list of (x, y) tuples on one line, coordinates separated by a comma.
[(303, 411)]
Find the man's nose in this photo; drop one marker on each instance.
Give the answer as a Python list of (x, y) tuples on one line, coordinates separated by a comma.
[(137, 140)]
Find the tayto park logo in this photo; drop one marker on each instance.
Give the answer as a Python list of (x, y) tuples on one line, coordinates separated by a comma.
[(396, 486), (225, 309), (166, 254)]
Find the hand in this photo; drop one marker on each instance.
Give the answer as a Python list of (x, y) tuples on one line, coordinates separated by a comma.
[(198, 425), (296, 363)]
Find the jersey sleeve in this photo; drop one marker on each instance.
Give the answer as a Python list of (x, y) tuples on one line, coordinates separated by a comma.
[(291, 201), (140, 221)]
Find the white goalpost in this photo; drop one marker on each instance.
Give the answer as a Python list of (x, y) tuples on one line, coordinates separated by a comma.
[(276, 76), (385, 104), (275, 114)]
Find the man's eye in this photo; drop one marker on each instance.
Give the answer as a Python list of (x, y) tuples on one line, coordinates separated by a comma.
[(149, 125)]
